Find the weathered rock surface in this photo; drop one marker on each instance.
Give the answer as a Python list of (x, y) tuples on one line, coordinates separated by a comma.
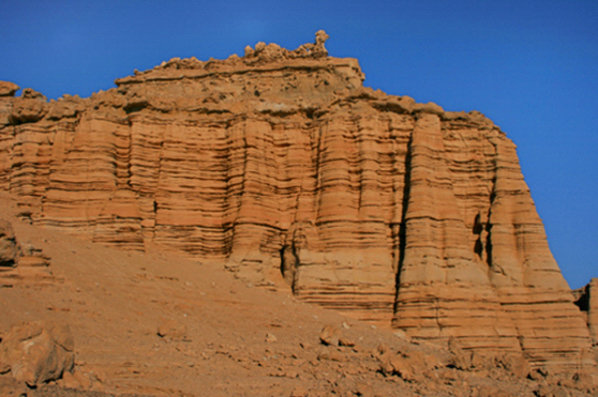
[(21, 262), (37, 352), (587, 300), (282, 161), (8, 245), (8, 89), (172, 330), (239, 340)]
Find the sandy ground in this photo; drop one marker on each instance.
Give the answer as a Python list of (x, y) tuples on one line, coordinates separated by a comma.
[(235, 339)]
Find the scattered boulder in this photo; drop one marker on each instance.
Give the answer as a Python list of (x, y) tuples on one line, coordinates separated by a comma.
[(330, 335), (270, 338), (331, 355), (411, 366), (400, 365), (515, 364), (37, 352)]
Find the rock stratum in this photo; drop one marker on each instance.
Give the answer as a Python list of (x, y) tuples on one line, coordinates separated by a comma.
[(281, 162)]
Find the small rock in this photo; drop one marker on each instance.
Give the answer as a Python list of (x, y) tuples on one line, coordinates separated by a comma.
[(331, 355), (171, 329), (69, 381), (516, 365), (363, 389), (330, 335), (538, 374), (491, 391), (382, 348), (299, 391), (270, 338)]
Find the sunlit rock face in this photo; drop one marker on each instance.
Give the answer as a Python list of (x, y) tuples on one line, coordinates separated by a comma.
[(586, 298), (284, 165)]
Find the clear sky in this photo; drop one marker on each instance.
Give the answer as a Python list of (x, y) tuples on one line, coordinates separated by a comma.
[(531, 66)]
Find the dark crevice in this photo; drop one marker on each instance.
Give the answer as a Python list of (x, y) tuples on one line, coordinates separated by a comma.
[(477, 229), (488, 227), (288, 264), (488, 245), (134, 107), (402, 235), (282, 261), (309, 113), (583, 302)]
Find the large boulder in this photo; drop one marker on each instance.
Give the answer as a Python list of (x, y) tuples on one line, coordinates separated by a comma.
[(37, 352)]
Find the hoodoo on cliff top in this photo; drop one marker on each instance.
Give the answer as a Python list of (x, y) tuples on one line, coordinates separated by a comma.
[(284, 165)]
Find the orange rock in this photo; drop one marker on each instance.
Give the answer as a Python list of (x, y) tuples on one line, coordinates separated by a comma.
[(7, 88), (369, 203), (172, 329), (8, 245), (330, 335), (37, 352)]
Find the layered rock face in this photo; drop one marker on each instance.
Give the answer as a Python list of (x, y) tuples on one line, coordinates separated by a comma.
[(282, 162), (587, 301)]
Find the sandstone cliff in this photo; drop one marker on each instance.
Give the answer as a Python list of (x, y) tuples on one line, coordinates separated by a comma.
[(282, 162), (587, 300)]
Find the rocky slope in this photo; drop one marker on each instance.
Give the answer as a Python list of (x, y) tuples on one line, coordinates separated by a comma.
[(282, 162), (154, 324)]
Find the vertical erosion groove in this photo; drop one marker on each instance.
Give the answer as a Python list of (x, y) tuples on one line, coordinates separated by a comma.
[(402, 232)]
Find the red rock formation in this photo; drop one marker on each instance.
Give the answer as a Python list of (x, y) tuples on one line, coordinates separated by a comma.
[(282, 160)]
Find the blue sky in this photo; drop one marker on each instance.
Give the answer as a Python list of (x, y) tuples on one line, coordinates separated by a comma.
[(531, 66)]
